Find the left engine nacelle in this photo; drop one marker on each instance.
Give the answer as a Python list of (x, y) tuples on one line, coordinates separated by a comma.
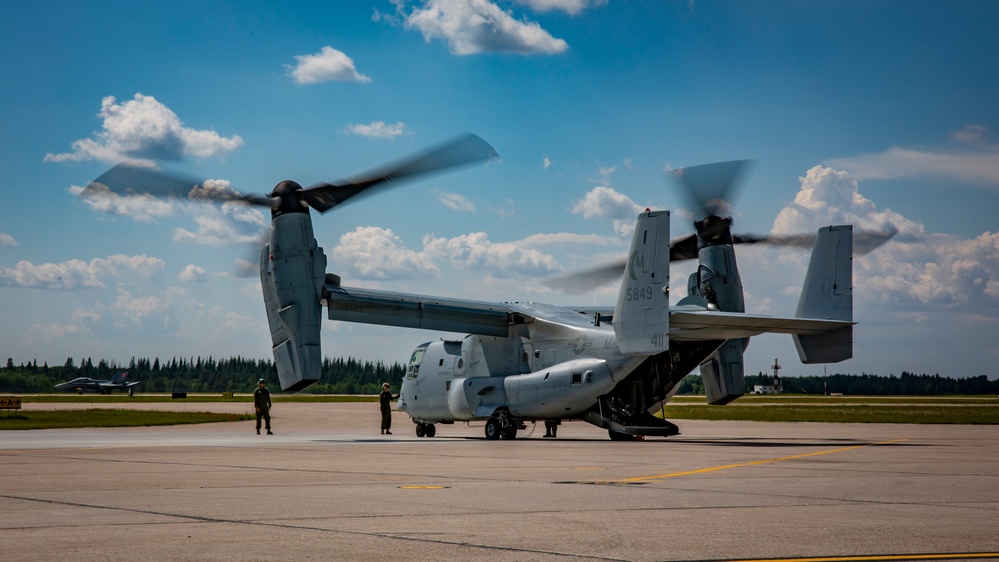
[(292, 273)]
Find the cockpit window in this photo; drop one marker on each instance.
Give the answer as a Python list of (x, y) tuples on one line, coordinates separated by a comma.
[(414, 362)]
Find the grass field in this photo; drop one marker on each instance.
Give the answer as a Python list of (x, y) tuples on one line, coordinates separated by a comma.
[(974, 410), (107, 417)]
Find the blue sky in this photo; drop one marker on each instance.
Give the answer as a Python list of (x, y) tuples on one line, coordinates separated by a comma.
[(876, 114)]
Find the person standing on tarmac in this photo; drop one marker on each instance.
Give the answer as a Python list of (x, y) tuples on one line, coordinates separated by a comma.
[(262, 405), (385, 399)]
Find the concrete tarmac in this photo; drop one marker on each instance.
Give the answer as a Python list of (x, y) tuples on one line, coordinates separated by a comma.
[(328, 486)]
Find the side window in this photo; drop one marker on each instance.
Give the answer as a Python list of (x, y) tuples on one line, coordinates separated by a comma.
[(577, 378)]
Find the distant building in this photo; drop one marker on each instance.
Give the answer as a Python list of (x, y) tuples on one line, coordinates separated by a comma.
[(775, 388)]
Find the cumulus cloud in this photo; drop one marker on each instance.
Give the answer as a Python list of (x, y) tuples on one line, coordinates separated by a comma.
[(143, 130), (378, 253), (571, 7), (975, 161), (76, 274), (377, 130), (567, 239), (455, 201), (502, 259), (327, 65), (7, 240), (914, 270), (230, 223), (480, 26), (193, 273), (604, 202)]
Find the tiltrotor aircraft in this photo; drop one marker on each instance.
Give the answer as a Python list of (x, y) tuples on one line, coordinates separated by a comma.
[(613, 367)]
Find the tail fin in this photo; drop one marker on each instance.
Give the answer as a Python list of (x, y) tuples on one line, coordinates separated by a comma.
[(641, 317), (120, 377), (828, 294)]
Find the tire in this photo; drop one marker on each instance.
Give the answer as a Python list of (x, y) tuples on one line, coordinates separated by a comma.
[(509, 432), (493, 429), (431, 430), (421, 430)]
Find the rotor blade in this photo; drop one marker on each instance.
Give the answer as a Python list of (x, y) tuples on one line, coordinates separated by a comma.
[(128, 180), (864, 241), (466, 149), (709, 188), (680, 248), (587, 280)]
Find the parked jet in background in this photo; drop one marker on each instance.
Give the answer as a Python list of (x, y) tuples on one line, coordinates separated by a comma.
[(87, 384)]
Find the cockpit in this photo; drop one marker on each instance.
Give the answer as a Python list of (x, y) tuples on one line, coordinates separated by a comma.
[(415, 360)]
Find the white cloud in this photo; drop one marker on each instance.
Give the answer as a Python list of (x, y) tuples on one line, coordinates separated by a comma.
[(377, 130), (47, 333), (141, 208), (327, 65), (913, 271), (7, 240), (455, 201), (377, 253), (503, 259), (230, 223), (193, 273), (975, 162), (75, 274), (143, 130), (571, 7), (480, 26), (568, 239), (604, 202), (972, 134), (546, 163)]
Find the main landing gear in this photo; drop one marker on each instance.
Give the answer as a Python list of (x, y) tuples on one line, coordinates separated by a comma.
[(501, 427), (426, 430)]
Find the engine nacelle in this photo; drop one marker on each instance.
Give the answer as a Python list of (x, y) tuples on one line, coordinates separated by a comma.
[(564, 390), (292, 273)]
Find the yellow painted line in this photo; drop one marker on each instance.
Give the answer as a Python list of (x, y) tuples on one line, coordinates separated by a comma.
[(751, 463), (422, 487), (880, 557)]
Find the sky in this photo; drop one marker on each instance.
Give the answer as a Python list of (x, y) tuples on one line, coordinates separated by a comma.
[(876, 114)]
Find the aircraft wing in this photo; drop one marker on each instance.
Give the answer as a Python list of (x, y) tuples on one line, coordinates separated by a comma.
[(370, 306), (716, 325)]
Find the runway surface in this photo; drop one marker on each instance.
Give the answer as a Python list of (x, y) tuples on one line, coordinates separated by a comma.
[(327, 486)]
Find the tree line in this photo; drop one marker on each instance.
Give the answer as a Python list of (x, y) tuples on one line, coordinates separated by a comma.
[(352, 376), (906, 384), (197, 374)]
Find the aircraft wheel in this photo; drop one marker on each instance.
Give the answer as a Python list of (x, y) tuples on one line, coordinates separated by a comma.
[(493, 429), (509, 432), (431, 430), (421, 430)]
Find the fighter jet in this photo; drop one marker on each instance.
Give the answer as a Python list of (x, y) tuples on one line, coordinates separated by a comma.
[(87, 384)]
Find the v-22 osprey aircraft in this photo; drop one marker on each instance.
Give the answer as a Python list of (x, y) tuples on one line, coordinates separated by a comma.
[(521, 362)]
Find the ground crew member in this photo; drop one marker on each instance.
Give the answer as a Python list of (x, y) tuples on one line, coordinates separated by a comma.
[(386, 398), (551, 428), (262, 405)]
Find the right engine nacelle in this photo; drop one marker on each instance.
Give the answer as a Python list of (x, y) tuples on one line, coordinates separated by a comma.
[(292, 273)]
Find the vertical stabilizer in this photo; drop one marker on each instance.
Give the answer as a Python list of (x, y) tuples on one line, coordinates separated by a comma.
[(641, 317), (828, 294)]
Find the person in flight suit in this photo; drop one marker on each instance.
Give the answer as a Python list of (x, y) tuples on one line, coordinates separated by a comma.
[(262, 405), (386, 398)]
